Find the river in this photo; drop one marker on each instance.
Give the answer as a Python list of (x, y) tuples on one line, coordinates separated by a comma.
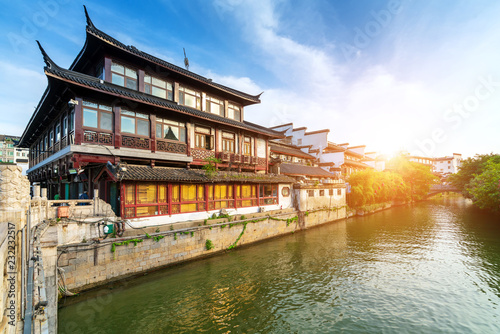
[(430, 267)]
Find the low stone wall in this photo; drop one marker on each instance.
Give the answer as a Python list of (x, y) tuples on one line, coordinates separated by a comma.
[(14, 200), (89, 265), (320, 216)]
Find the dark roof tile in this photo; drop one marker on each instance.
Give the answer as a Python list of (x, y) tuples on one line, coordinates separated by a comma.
[(147, 173), (291, 169)]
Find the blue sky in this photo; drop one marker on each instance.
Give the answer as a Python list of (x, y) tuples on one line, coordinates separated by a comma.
[(423, 76)]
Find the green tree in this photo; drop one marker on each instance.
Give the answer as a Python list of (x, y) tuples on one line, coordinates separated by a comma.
[(484, 188), (417, 177), (372, 187), (469, 169)]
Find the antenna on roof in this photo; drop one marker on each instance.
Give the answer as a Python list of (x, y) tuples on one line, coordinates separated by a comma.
[(186, 60)]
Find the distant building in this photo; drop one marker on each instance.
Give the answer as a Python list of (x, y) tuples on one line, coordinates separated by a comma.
[(10, 153), (448, 165), (339, 159), (291, 161), (429, 162), (442, 166)]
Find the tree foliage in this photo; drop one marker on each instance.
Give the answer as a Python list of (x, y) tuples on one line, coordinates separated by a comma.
[(470, 168), (479, 180), (372, 187), (404, 181)]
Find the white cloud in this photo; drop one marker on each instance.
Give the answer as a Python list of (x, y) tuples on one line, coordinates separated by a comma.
[(17, 109)]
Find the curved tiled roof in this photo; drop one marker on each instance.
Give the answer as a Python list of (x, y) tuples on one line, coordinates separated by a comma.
[(290, 151), (54, 71), (148, 173), (93, 31), (292, 169)]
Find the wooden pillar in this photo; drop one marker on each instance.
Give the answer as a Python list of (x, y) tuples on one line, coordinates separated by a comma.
[(188, 138), (117, 135), (152, 134), (78, 122), (267, 155), (107, 69), (140, 80)]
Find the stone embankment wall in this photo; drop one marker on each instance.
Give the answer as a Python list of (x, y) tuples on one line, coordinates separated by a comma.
[(14, 200), (89, 265)]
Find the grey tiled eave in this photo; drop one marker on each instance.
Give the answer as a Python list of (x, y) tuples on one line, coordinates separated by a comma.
[(147, 173), (92, 82), (93, 31)]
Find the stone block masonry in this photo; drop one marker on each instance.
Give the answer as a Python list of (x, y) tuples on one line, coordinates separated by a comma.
[(86, 266)]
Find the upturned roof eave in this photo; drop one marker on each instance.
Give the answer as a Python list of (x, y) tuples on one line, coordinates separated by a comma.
[(84, 80), (93, 32)]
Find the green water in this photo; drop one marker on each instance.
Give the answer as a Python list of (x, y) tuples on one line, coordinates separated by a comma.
[(433, 267)]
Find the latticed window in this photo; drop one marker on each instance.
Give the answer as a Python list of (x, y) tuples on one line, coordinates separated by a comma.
[(228, 142), (247, 146), (188, 198), (203, 138), (220, 196), (268, 194), (246, 195), (144, 199), (189, 97), (123, 76), (158, 87)]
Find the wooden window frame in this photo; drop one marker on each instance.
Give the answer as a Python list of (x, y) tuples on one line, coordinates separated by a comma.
[(212, 99), (228, 141), (169, 93), (200, 201), (247, 146), (162, 122), (126, 78), (123, 113), (71, 122), (100, 111), (196, 95), (264, 199), (135, 205), (205, 201), (254, 198), (208, 138), (216, 203), (231, 108)]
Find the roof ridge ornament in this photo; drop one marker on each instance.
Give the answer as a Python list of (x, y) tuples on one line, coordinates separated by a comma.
[(49, 62), (89, 21)]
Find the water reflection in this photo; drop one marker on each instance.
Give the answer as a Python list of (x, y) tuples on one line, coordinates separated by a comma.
[(432, 267)]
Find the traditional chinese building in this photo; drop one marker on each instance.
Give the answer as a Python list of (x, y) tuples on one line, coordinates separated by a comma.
[(140, 129)]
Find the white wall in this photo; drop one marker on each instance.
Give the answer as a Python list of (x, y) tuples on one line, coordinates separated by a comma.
[(261, 148), (318, 140), (358, 149)]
